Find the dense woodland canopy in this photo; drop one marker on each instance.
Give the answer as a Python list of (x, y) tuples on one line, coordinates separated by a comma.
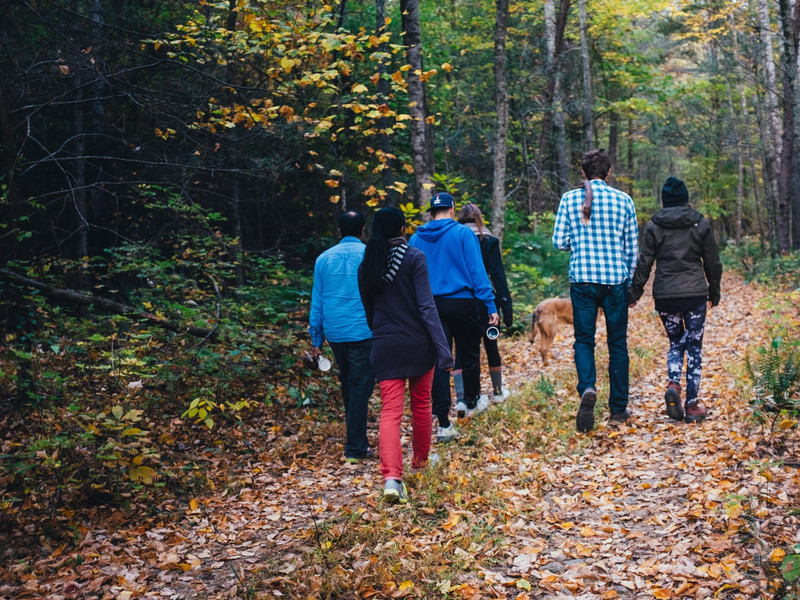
[(123, 122)]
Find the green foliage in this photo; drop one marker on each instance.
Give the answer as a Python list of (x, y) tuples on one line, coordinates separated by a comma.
[(790, 567), (102, 389), (764, 268), (534, 268), (775, 377)]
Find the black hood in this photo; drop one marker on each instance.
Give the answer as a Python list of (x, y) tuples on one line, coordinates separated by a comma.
[(677, 217)]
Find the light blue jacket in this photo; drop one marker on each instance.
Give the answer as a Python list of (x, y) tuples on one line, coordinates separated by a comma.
[(336, 310)]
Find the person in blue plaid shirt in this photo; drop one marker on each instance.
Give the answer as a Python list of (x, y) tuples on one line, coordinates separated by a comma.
[(596, 223)]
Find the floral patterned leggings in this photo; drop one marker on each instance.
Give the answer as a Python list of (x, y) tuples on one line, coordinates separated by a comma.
[(685, 333)]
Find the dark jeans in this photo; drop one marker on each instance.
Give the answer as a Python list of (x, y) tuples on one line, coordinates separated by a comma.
[(358, 382), (461, 322), (613, 299)]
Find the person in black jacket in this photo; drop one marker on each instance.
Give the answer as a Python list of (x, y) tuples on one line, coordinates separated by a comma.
[(407, 342), (471, 216), (688, 273)]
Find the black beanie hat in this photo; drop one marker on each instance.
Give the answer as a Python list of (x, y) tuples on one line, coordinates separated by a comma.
[(674, 193)]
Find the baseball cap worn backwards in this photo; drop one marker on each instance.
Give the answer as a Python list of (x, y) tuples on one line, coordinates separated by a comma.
[(442, 200)]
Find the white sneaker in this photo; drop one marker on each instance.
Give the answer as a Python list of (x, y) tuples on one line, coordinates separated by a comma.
[(462, 410), (482, 405), (446, 434), (500, 398)]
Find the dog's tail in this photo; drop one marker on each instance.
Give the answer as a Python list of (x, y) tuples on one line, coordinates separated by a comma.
[(534, 319)]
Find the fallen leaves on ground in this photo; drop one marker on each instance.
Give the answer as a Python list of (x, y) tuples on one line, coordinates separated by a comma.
[(520, 507)]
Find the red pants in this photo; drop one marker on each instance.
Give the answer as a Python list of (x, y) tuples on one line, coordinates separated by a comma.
[(392, 396)]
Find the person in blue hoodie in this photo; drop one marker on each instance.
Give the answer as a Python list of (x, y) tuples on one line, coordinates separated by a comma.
[(458, 282)]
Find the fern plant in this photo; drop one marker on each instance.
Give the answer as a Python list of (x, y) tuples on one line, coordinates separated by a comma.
[(775, 377)]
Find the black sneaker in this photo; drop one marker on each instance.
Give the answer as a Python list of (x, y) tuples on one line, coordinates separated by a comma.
[(584, 421), (620, 417), (357, 459)]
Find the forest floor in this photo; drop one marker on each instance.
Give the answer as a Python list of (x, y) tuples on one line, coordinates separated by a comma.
[(521, 506)]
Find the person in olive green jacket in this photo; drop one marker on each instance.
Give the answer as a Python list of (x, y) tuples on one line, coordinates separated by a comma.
[(688, 272)]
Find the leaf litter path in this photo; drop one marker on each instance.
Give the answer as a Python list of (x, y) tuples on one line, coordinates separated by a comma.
[(653, 509)]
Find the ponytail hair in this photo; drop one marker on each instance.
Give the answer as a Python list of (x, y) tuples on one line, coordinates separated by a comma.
[(586, 209), (595, 164), (386, 224), (470, 213)]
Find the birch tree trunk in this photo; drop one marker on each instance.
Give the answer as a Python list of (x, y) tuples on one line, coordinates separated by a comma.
[(587, 79), (737, 130), (420, 147), (771, 98), (501, 133), (771, 122)]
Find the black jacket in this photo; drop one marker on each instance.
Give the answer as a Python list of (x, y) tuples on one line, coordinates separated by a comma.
[(493, 261), (407, 335), (681, 243)]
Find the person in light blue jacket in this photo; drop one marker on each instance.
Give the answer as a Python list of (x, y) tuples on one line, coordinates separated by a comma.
[(458, 282), (337, 315)]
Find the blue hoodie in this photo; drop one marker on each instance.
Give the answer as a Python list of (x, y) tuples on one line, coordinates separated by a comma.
[(455, 265)]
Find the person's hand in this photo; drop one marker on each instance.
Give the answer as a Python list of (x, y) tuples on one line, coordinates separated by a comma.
[(494, 319), (315, 352)]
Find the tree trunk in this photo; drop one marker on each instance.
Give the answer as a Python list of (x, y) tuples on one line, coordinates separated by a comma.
[(559, 121), (501, 133), (8, 168), (786, 193), (79, 192), (537, 202), (770, 184), (771, 126), (740, 168), (384, 141), (771, 99), (237, 232), (762, 233), (738, 133), (588, 125), (420, 148), (613, 140)]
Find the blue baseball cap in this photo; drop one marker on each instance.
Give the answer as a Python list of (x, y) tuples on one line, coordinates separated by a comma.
[(442, 200)]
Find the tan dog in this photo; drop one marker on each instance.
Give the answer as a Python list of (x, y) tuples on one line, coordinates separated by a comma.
[(546, 318)]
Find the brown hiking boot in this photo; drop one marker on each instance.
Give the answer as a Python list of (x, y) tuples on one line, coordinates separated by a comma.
[(695, 413), (673, 400)]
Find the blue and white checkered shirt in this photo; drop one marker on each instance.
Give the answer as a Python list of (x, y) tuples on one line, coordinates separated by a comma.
[(605, 249)]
